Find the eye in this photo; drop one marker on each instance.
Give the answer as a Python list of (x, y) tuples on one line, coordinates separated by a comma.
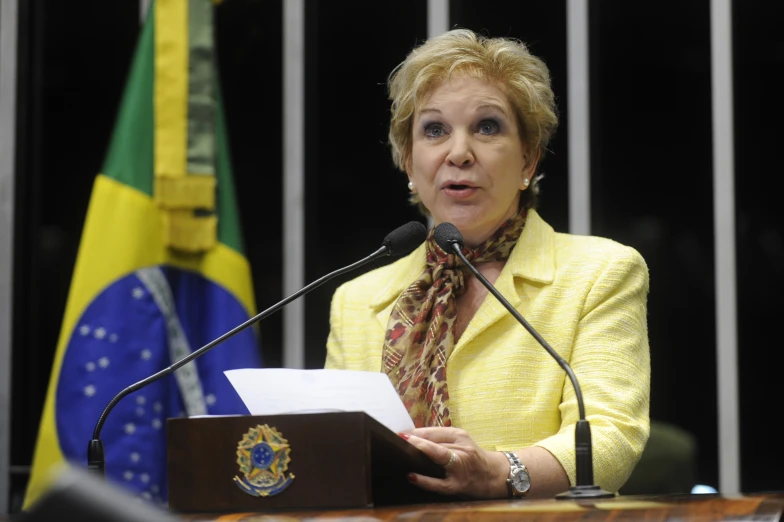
[(489, 127), (434, 130)]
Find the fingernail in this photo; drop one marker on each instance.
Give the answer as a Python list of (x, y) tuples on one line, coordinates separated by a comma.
[(412, 477), (404, 436)]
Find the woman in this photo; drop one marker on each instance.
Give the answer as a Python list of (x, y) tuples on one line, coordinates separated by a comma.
[(471, 118)]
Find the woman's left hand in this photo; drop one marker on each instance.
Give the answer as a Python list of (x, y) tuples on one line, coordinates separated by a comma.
[(472, 471)]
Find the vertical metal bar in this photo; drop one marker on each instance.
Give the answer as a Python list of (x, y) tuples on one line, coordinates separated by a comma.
[(437, 17), (579, 130), (144, 6), (8, 45), (437, 23), (293, 180), (724, 237)]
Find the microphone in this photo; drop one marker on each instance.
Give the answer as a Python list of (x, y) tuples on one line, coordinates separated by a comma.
[(399, 242), (449, 238)]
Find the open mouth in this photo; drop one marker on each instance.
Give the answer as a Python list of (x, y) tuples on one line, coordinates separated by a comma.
[(459, 190)]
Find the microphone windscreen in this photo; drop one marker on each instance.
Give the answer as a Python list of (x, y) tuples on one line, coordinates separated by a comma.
[(403, 240), (75, 495), (446, 234)]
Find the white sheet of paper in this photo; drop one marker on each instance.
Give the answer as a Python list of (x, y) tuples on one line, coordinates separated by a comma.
[(271, 391)]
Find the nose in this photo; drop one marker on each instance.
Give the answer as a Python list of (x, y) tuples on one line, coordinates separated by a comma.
[(460, 153)]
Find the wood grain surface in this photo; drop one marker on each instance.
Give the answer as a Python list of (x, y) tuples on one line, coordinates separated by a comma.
[(759, 508)]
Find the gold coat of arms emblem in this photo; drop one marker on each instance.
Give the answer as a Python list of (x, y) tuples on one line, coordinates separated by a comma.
[(263, 458)]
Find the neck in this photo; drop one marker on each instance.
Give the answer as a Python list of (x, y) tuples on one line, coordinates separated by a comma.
[(473, 239)]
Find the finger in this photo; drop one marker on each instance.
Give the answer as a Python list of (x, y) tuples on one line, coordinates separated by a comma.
[(439, 454), (442, 486), (440, 435)]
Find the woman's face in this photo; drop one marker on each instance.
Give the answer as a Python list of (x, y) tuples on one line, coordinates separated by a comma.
[(468, 162)]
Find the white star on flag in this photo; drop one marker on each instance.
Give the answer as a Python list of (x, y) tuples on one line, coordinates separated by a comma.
[(89, 390), (100, 333), (130, 428), (84, 330), (137, 293), (103, 362)]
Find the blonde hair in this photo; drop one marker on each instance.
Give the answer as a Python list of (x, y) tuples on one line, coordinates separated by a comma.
[(523, 77)]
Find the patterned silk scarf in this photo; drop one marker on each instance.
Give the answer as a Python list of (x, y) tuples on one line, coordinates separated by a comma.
[(420, 331)]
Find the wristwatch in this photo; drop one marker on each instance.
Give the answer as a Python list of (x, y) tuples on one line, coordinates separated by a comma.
[(519, 481)]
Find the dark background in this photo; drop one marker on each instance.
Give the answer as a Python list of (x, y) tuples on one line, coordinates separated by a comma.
[(651, 179)]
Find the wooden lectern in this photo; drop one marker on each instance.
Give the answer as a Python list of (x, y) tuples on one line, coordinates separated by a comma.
[(338, 459)]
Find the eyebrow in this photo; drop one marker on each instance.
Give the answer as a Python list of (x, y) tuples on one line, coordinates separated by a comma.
[(495, 106)]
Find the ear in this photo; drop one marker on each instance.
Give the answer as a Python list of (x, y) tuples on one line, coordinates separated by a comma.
[(529, 169), (409, 169)]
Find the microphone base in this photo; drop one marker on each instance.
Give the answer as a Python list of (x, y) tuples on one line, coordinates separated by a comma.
[(96, 462), (584, 492)]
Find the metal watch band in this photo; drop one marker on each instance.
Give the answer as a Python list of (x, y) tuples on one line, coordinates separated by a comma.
[(515, 467)]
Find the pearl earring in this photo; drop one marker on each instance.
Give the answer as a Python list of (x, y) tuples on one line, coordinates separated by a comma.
[(411, 185), (526, 181)]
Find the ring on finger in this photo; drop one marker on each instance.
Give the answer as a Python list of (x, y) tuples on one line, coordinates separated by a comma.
[(452, 459)]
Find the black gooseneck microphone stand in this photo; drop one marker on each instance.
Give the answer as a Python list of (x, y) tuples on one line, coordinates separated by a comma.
[(399, 242), (450, 239)]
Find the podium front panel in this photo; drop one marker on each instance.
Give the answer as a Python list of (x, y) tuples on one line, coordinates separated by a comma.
[(330, 461)]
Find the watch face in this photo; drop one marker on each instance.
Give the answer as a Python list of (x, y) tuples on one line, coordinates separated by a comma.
[(521, 481)]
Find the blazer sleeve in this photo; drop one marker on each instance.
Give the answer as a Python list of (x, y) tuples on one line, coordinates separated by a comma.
[(335, 354), (611, 360)]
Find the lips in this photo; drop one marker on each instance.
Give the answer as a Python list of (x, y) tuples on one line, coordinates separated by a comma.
[(457, 184), (459, 189)]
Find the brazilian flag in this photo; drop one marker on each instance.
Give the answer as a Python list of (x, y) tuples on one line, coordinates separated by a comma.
[(160, 270)]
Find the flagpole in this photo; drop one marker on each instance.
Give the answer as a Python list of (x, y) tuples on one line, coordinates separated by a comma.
[(8, 43)]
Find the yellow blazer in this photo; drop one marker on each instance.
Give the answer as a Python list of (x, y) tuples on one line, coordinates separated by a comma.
[(585, 295)]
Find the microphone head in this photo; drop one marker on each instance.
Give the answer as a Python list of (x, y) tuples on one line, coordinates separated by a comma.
[(403, 240), (446, 235)]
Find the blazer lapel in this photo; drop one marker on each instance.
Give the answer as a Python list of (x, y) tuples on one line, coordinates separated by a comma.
[(533, 258)]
